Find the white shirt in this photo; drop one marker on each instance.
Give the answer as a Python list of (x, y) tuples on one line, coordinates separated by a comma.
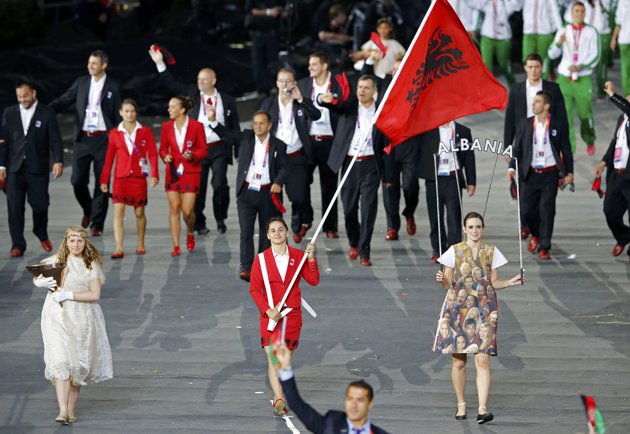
[(364, 119), (27, 115), (95, 97), (496, 13), (620, 157), (130, 139), (180, 135), (540, 17), (594, 15), (622, 19), (282, 262), (530, 93), (584, 43), (448, 258), (447, 161), (469, 17), (259, 166), (286, 131), (322, 126), (542, 155), (385, 65), (208, 126)]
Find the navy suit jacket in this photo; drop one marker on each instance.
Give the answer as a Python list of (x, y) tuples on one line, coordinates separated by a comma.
[(79, 93), (517, 107), (560, 146), (333, 422), (277, 159), (229, 133), (429, 143), (624, 105), (41, 142), (303, 113)]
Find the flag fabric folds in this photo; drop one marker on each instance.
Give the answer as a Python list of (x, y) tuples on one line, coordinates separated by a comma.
[(594, 418), (441, 78)]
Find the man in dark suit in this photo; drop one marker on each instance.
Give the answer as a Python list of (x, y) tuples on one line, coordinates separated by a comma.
[(360, 191), (520, 103), (452, 167), (97, 103), (402, 160), (32, 135), (322, 132), (290, 113), (617, 199), (262, 171), (543, 151), (217, 112), (358, 401)]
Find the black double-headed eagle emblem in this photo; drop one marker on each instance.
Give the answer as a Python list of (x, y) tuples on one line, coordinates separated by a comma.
[(441, 61)]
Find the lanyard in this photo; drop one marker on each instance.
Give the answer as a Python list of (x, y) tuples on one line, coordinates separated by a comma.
[(280, 112), (266, 153), (313, 96), (135, 148), (577, 34), (545, 134)]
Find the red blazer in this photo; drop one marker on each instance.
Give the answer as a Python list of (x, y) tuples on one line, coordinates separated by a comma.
[(129, 165), (309, 272), (195, 140)]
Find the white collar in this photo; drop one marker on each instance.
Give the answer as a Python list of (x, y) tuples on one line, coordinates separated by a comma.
[(122, 128), (100, 82)]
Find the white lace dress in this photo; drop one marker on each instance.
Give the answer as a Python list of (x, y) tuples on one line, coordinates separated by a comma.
[(75, 340)]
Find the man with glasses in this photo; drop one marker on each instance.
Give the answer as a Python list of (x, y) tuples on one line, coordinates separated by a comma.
[(290, 113)]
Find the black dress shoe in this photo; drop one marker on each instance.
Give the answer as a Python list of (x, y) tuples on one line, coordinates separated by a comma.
[(483, 418), (221, 227), (462, 417), (203, 231)]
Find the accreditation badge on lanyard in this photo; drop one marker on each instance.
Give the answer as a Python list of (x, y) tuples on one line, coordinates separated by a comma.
[(539, 149), (256, 182), (285, 130), (444, 168), (142, 161), (577, 34), (92, 119)]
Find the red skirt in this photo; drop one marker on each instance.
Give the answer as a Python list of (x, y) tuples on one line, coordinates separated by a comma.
[(131, 191), (291, 334), (186, 183)]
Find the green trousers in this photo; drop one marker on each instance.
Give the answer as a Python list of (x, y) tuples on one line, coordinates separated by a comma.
[(605, 55), (501, 49), (539, 44), (624, 55), (579, 94)]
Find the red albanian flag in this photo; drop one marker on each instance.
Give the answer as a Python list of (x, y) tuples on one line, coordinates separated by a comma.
[(441, 78)]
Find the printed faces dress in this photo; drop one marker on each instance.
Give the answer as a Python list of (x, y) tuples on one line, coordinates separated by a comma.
[(468, 320)]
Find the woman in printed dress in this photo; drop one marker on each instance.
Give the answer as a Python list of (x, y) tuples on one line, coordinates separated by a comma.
[(468, 252)]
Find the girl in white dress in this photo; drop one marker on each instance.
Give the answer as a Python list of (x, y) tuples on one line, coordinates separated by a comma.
[(76, 348)]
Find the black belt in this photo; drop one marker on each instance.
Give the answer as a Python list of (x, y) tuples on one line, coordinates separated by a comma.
[(622, 171)]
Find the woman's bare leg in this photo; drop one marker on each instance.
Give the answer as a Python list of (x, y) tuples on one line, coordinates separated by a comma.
[(484, 378), (141, 226), (119, 228), (188, 209), (458, 377), (62, 388), (175, 208), (72, 399)]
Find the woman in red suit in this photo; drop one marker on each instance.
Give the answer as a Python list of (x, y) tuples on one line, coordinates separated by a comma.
[(133, 147), (281, 263), (182, 147)]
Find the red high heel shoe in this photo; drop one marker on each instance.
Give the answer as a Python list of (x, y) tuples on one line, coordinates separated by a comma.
[(175, 251), (190, 242)]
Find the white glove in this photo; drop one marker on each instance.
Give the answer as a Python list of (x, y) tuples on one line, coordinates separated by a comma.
[(45, 282), (63, 295)]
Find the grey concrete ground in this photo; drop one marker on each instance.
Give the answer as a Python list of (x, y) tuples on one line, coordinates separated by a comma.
[(184, 331)]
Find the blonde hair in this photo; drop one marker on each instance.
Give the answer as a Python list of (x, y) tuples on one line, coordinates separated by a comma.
[(90, 253)]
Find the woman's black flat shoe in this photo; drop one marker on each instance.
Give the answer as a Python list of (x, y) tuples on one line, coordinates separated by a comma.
[(462, 417), (483, 418)]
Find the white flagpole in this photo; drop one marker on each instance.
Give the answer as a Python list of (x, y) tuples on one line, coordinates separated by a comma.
[(272, 324), (518, 208)]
